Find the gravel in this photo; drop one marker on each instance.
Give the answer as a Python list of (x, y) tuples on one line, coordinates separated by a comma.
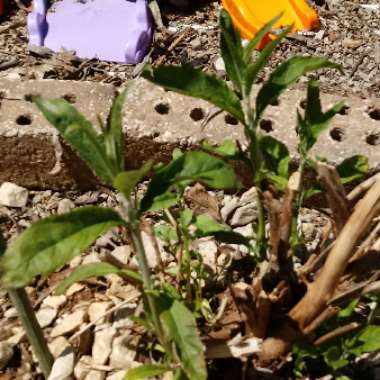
[(349, 35)]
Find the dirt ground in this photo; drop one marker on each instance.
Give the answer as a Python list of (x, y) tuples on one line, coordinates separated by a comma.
[(349, 35)]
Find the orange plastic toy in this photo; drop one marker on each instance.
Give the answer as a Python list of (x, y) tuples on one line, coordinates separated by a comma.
[(250, 15)]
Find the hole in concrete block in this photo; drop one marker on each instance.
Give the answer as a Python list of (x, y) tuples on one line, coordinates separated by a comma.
[(266, 125), (344, 110), (275, 102), (197, 114), (372, 139), (162, 108), (29, 97), (303, 103), (337, 134), (374, 113), (71, 98), (230, 120), (24, 120)]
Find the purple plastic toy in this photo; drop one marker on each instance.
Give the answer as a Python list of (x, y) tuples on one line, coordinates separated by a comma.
[(110, 30)]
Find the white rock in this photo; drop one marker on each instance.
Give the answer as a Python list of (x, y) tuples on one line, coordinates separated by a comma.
[(208, 249), (63, 366), (91, 258), (96, 310), (95, 375), (122, 355), (219, 64), (18, 334), (122, 316), (229, 207), (101, 348), (65, 205), (120, 375), (250, 196), (6, 353), (122, 253), (69, 323), (74, 288), (10, 313), (75, 262), (246, 231), (244, 215), (57, 345), (54, 301), (82, 368), (12, 195), (46, 315)]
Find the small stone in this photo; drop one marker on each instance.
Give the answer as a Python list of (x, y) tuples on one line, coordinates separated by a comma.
[(101, 348), (69, 323), (82, 368), (63, 366), (122, 254), (120, 375), (6, 353), (64, 206), (219, 64), (249, 196), (54, 301), (96, 310), (57, 345), (244, 215), (91, 258), (246, 231), (12, 195), (95, 375), (18, 334), (45, 316), (209, 251), (229, 207), (74, 288), (123, 352), (10, 313), (75, 262), (196, 43)]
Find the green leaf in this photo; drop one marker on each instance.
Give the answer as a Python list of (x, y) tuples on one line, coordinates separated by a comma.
[(115, 133), (193, 82), (253, 69), (276, 159), (207, 226), (286, 75), (180, 326), (348, 310), (80, 134), (187, 168), (333, 358), (232, 50), (50, 243), (228, 149), (254, 43), (353, 168), (84, 272), (125, 182), (166, 233), (370, 336), (316, 121), (146, 371), (186, 217)]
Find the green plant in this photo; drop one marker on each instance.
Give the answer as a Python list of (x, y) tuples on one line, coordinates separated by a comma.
[(50, 243), (268, 158)]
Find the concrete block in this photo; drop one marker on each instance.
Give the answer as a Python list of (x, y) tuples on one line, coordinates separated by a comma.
[(31, 154), (156, 120)]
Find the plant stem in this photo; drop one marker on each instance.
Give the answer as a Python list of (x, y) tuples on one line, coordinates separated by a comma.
[(129, 214), (33, 330)]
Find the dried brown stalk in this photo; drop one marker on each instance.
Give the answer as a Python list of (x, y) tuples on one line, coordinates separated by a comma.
[(335, 193), (337, 332), (322, 289)]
